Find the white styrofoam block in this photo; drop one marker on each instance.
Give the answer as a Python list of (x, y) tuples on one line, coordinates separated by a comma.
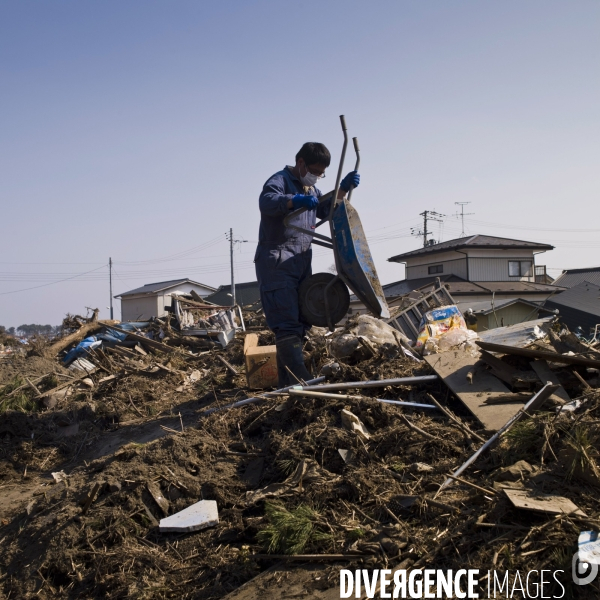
[(198, 516)]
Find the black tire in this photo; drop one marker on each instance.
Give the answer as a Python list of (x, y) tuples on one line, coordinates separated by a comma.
[(312, 303)]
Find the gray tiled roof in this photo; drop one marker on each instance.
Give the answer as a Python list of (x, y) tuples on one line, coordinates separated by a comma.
[(161, 285), (584, 296), (571, 277), (474, 241), (457, 286)]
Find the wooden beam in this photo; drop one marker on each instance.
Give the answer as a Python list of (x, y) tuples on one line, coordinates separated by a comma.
[(533, 354)]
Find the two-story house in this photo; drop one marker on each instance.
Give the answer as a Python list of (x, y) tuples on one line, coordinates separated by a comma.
[(490, 273)]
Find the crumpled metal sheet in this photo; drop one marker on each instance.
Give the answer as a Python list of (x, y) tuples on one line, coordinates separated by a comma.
[(519, 335)]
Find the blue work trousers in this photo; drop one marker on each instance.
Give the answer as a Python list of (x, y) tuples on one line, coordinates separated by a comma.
[(280, 270)]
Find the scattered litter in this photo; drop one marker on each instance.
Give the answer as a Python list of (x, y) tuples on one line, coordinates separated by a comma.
[(515, 472), (545, 503), (198, 516), (352, 423), (363, 336), (59, 476), (308, 472), (376, 436)]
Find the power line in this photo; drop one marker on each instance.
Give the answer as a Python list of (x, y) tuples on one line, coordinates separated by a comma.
[(52, 283)]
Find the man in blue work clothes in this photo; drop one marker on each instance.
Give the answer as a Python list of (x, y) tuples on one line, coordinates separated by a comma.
[(283, 256)]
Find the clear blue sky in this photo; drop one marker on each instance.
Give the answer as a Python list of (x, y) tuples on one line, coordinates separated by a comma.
[(143, 130)]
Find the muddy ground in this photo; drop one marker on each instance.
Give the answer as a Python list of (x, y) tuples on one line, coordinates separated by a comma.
[(144, 431)]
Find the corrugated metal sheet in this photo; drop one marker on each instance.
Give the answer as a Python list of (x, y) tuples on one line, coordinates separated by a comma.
[(245, 294), (519, 335)]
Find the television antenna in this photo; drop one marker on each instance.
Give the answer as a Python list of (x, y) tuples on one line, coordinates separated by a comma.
[(462, 214)]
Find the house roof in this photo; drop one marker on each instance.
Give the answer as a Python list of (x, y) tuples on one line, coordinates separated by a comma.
[(245, 294), (585, 297), (151, 288), (486, 308), (459, 286), (572, 277), (474, 241)]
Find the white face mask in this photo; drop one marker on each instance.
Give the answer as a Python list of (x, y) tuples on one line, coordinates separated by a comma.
[(309, 179)]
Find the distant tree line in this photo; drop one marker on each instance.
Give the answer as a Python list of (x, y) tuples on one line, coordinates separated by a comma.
[(30, 330)]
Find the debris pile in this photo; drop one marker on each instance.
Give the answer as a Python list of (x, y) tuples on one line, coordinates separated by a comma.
[(139, 464)]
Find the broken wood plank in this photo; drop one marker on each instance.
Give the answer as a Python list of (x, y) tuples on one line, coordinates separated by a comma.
[(456, 420), (122, 352), (507, 373), (453, 367), (527, 353), (519, 397), (73, 338), (583, 382), (417, 429), (138, 348), (545, 374), (90, 498), (545, 503), (228, 364), (500, 369), (250, 341), (32, 386), (197, 297), (63, 385)]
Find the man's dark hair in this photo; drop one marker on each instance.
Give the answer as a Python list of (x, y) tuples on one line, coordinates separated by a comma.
[(313, 153)]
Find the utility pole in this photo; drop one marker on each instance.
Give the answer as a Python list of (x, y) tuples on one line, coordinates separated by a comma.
[(462, 214), (428, 215), (110, 286), (232, 275), (232, 241)]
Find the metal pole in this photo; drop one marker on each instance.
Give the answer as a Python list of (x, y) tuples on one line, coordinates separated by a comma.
[(232, 276), (328, 387), (424, 229), (253, 400), (532, 405), (110, 286)]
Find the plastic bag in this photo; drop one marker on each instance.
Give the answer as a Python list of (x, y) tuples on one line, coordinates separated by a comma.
[(435, 323)]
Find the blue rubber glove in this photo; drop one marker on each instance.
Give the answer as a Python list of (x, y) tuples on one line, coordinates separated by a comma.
[(351, 180), (302, 201)]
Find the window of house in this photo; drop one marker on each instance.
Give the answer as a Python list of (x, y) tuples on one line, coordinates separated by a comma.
[(519, 268), (435, 269)]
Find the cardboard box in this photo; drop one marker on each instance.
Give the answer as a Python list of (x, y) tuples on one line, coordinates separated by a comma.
[(261, 363)]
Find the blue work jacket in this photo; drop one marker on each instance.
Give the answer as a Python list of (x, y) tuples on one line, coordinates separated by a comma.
[(283, 255)]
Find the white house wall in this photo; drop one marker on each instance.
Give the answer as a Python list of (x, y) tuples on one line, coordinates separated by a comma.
[(483, 264), (496, 269), (450, 267)]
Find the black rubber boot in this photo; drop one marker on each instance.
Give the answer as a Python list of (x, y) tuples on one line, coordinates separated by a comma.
[(289, 353)]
